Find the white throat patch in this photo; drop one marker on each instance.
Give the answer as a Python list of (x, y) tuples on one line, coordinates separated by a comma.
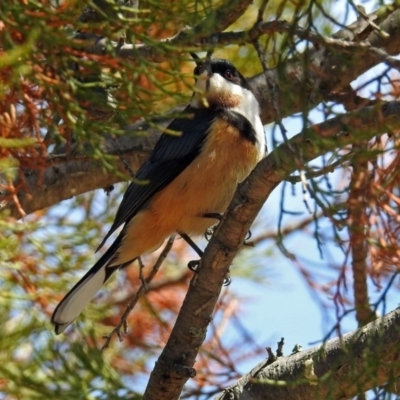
[(218, 92)]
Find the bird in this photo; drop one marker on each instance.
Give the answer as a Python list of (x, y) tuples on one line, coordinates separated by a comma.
[(189, 177)]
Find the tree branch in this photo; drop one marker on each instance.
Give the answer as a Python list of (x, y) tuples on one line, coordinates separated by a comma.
[(70, 174), (343, 367), (175, 365), (358, 223), (221, 18)]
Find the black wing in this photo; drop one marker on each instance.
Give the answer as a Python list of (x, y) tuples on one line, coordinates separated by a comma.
[(171, 155)]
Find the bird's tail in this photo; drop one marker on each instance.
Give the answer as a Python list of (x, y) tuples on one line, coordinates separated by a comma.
[(83, 292)]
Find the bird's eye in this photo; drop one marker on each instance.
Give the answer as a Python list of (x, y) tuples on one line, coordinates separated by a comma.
[(228, 75)]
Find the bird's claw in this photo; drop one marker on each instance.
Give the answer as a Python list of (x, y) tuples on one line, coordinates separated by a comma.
[(227, 280), (194, 265), (248, 236), (208, 234)]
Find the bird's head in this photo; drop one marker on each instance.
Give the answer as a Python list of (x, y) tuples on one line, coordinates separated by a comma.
[(219, 85)]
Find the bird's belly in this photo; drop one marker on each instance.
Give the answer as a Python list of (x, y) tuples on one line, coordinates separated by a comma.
[(207, 185)]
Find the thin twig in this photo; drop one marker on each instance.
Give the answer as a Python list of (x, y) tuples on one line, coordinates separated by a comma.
[(261, 11), (141, 291), (123, 159), (273, 88), (141, 276), (362, 13), (350, 100), (320, 172), (287, 230)]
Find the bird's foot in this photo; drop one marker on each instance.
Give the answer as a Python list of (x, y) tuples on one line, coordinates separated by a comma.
[(246, 242), (194, 265)]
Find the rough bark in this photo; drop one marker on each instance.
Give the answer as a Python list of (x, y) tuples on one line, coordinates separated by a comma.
[(343, 367)]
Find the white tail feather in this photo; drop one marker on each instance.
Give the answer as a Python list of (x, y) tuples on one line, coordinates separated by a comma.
[(77, 299)]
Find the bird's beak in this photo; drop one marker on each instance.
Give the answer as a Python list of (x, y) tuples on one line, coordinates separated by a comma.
[(196, 58), (202, 64), (206, 67), (203, 74)]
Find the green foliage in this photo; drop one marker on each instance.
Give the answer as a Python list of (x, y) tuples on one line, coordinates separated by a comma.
[(38, 261)]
